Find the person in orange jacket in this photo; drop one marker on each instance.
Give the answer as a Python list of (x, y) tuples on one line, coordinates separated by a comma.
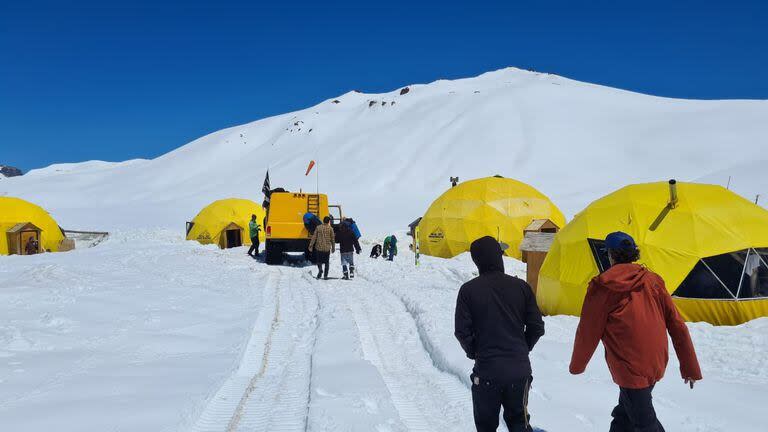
[(631, 311)]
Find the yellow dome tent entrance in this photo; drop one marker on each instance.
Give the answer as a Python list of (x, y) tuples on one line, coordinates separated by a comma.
[(709, 244), (492, 206), (225, 223), (21, 221)]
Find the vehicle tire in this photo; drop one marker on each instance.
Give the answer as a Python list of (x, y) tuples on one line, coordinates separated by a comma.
[(274, 253)]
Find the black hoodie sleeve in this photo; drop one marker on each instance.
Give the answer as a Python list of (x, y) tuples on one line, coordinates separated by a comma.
[(463, 329), (358, 249), (534, 324)]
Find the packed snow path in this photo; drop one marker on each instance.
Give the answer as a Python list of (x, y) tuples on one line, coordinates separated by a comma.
[(392, 343), (169, 335), (269, 391)]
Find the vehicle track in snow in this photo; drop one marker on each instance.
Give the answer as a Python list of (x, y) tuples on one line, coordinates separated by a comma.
[(269, 389), (426, 398)]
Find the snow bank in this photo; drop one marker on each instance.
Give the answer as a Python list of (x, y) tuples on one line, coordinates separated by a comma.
[(131, 335)]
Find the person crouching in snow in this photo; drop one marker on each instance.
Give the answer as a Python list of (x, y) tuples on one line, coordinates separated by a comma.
[(323, 242), (348, 246), (497, 323), (390, 247), (631, 311)]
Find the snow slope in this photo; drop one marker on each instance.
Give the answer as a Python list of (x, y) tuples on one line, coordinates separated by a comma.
[(572, 140), (748, 179), (81, 167)]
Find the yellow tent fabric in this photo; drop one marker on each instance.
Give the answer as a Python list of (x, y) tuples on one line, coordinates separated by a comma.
[(707, 221), (16, 210), (494, 206), (214, 218)]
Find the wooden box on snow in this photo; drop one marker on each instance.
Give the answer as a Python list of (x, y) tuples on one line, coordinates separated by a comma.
[(67, 245), (537, 239)]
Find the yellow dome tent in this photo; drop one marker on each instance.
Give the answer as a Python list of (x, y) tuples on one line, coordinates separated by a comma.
[(225, 223), (709, 244), (494, 206), (20, 220)]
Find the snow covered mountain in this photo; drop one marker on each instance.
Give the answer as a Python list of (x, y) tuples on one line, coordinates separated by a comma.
[(386, 156)]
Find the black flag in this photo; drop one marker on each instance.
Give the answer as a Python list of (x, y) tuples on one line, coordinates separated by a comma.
[(266, 189)]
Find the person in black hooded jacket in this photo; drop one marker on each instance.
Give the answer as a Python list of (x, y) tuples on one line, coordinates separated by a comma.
[(497, 323), (348, 246)]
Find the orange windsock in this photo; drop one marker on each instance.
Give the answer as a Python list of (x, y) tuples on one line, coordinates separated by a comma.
[(309, 168)]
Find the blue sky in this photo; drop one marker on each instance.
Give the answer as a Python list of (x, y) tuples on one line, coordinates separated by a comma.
[(115, 80)]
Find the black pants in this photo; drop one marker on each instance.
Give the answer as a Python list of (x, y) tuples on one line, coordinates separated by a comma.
[(322, 259), (254, 246), (489, 396), (635, 412)]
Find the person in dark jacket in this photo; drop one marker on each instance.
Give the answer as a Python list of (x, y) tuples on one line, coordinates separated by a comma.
[(497, 323), (348, 246), (32, 247), (631, 311), (353, 226), (376, 251)]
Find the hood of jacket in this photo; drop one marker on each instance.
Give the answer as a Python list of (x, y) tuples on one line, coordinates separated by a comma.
[(345, 230), (487, 255), (623, 277)]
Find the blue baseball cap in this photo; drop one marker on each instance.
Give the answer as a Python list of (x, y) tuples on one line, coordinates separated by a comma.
[(620, 240)]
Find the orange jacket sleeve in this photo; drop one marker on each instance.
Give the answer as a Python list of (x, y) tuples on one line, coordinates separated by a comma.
[(594, 314), (681, 338)]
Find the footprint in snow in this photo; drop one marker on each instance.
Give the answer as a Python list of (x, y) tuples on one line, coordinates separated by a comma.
[(370, 405), (324, 393), (543, 395), (585, 421)]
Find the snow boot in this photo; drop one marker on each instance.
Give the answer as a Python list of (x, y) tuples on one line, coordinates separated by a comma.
[(346, 273), (351, 272), (319, 274)]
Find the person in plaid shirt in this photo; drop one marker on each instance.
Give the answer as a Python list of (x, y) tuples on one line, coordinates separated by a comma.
[(323, 243)]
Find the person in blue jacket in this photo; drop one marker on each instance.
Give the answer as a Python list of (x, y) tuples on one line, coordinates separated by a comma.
[(311, 221)]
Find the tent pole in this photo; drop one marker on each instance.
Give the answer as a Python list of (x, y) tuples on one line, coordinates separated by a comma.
[(743, 271), (716, 277), (761, 259)]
